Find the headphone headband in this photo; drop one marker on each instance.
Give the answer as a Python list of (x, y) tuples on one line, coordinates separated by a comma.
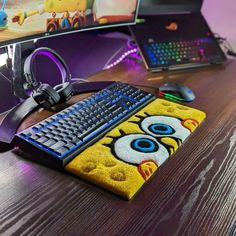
[(52, 55)]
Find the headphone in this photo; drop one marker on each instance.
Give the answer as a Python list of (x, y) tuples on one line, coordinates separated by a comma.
[(43, 94)]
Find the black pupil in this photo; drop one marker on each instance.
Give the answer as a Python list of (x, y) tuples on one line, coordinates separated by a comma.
[(144, 144), (161, 128)]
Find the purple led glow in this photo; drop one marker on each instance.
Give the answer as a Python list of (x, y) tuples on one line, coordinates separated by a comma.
[(121, 58)]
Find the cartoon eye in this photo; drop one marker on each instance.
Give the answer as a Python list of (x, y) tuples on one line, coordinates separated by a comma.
[(145, 145), (136, 148), (159, 126), (161, 129)]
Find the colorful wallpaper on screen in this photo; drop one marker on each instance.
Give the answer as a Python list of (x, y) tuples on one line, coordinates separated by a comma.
[(21, 18)]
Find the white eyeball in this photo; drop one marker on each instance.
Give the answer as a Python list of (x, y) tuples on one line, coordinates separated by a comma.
[(136, 148), (161, 126)]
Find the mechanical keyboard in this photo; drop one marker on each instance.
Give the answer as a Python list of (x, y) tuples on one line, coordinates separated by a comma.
[(58, 139), (162, 54)]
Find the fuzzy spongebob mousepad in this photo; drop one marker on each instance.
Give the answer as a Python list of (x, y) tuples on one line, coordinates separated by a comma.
[(125, 158)]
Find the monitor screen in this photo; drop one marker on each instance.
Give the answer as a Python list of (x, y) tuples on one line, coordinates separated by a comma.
[(23, 20), (169, 6)]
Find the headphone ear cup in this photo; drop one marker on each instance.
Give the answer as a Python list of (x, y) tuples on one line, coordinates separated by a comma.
[(65, 91), (46, 96)]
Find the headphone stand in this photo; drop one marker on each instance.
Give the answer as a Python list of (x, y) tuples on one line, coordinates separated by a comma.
[(12, 120), (20, 52)]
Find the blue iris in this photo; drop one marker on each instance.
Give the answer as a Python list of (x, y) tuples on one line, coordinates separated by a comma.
[(161, 129), (144, 145)]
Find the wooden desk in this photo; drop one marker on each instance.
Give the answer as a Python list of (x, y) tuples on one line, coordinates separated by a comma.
[(194, 193)]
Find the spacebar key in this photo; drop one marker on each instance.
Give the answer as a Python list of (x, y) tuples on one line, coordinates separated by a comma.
[(93, 131)]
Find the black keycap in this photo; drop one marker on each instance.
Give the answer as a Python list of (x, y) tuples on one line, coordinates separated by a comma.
[(55, 132), (57, 145), (62, 150), (50, 135), (58, 137), (50, 143), (76, 141), (35, 137), (37, 127), (69, 145), (87, 132), (42, 140)]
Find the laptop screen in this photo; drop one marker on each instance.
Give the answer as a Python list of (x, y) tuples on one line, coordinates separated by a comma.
[(169, 6)]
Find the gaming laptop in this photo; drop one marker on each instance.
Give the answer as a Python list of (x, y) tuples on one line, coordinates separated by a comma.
[(173, 34)]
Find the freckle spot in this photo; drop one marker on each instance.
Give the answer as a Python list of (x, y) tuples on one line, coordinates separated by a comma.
[(170, 110), (182, 108), (118, 176), (110, 164), (166, 104), (88, 167)]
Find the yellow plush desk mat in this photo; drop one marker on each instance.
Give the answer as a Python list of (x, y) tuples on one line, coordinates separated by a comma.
[(126, 157)]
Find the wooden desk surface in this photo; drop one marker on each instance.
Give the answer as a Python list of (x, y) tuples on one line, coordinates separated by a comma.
[(194, 193)]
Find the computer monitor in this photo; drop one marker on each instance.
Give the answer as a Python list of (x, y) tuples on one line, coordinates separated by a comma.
[(24, 20), (148, 7)]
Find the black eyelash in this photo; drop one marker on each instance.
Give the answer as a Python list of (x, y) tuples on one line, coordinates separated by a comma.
[(111, 145)]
